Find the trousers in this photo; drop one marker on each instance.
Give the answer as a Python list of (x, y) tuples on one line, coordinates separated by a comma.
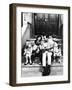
[(46, 55), (28, 56)]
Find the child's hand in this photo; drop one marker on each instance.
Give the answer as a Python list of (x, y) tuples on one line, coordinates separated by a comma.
[(24, 54)]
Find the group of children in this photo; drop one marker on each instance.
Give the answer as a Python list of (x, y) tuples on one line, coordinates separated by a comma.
[(44, 48)]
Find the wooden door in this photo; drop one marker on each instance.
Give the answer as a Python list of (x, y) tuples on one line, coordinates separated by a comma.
[(47, 23)]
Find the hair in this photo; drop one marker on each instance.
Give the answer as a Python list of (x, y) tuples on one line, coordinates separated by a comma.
[(37, 39)]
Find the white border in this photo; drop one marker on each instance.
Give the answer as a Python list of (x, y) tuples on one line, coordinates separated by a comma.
[(20, 79)]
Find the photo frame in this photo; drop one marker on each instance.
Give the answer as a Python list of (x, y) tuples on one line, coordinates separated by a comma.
[(43, 65)]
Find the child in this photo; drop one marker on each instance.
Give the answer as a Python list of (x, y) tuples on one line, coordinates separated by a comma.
[(28, 53), (57, 54)]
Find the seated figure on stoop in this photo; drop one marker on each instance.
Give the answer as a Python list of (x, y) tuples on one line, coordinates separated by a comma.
[(36, 53), (57, 53), (47, 49), (28, 53)]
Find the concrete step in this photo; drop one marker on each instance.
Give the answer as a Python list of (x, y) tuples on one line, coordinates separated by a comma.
[(36, 70)]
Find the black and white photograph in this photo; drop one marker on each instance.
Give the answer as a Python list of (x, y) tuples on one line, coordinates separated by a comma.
[(42, 44)]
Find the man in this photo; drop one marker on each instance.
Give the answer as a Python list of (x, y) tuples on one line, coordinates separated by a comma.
[(47, 47)]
